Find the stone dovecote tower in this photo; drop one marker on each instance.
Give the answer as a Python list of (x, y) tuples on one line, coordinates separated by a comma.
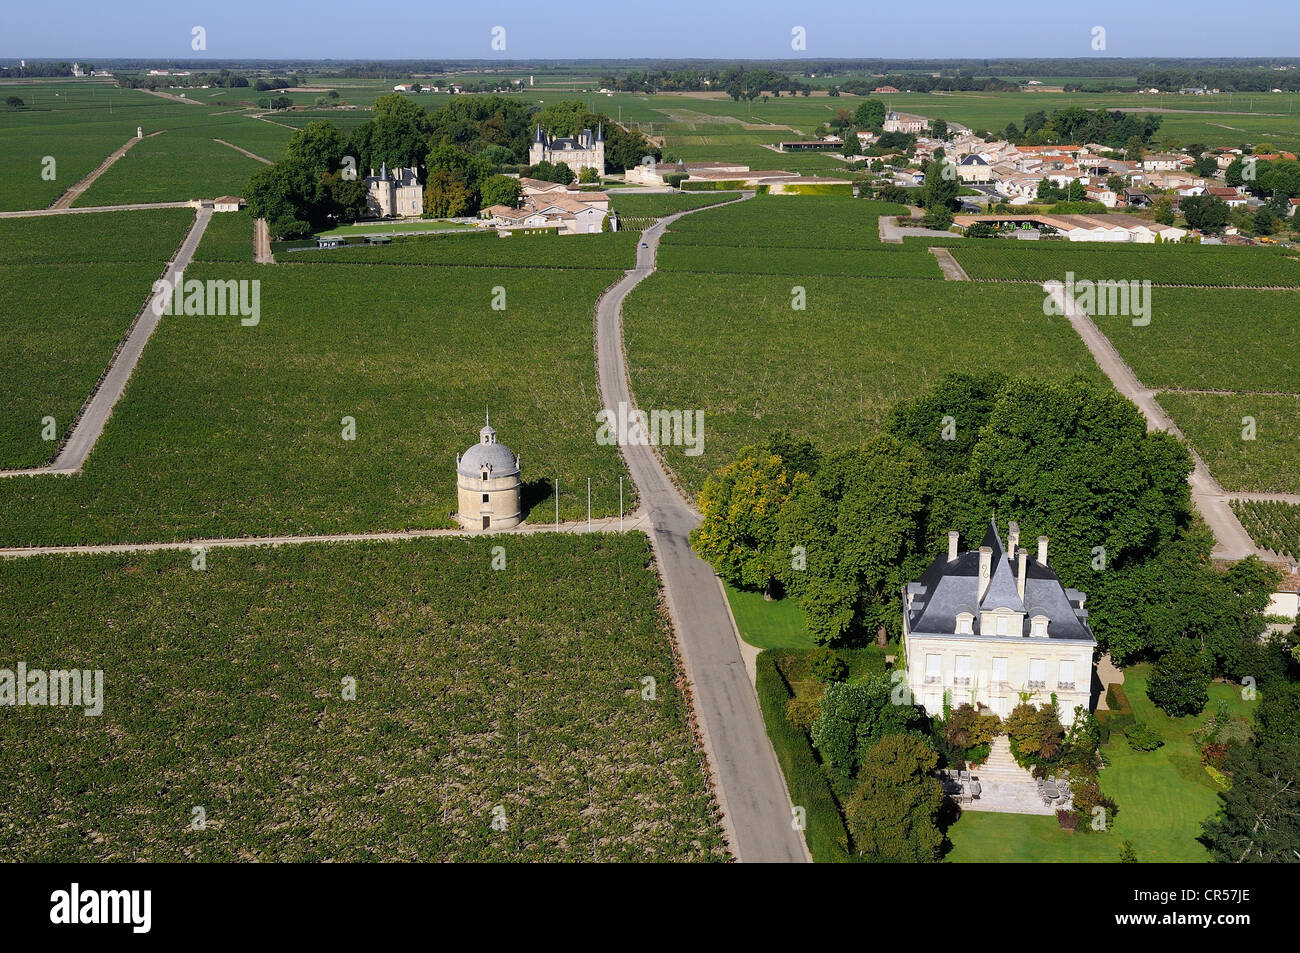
[(488, 484)]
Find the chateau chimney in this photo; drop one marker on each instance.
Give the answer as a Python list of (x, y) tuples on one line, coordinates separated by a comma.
[(1013, 536), (1020, 572), (1042, 550), (986, 568), (952, 545)]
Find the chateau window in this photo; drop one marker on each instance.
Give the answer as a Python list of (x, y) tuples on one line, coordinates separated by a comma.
[(1037, 673), (963, 670), (485, 497), (1002, 625), (1039, 628), (999, 670), (964, 622), (1065, 676), (933, 669)]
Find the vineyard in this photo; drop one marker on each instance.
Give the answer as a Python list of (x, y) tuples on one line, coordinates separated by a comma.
[(484, 248), (542, 697), (229, 430), (1217, 426), (724, 259), (788, 222), (1159, 264), (659, 204), (65, 312), (1191, 332), (738, 351), (1271, 524)]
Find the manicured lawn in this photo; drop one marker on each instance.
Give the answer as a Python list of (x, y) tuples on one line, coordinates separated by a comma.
[(778, 624), (1163, 797), (476, 689), (395, 228)]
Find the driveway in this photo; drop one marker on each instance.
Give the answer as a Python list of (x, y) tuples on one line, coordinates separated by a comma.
[(748, 781)]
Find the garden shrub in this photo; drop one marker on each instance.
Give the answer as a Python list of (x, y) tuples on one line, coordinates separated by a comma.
[(1179, 684), (1141, 737)]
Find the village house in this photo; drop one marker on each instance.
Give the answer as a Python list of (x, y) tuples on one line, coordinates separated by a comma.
[(988, 627), (902, 122)]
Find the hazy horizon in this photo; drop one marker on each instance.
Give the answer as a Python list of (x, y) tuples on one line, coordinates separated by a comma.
[(1021, 29)]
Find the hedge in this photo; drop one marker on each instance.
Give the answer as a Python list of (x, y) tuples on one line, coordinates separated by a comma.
[(1120, 715), (825, 833)]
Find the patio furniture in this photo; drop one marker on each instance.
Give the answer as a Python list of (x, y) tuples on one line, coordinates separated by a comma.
[(975, 789)]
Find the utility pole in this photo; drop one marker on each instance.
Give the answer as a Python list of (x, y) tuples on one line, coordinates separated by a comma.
[(557, 502), (589, 504), (620, 504)]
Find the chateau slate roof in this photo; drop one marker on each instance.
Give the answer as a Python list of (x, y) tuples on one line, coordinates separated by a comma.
[(949, 588)]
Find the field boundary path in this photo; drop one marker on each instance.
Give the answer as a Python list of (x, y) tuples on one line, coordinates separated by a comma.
[(951, 268), (75, 192), (750, 787), (1231, 539), (262, 243), (251, 155), (87, 209), (90, 421), (631, 523)]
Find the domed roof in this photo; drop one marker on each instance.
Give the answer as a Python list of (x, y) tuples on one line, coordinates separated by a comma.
[(488, 453)]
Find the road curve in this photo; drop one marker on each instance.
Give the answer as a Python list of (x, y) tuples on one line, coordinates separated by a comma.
[(750, 787)]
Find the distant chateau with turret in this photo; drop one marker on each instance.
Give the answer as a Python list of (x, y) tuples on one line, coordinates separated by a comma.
[(585, 151), (396, 194)]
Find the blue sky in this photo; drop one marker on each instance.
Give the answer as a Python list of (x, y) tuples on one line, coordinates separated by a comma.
[(388, 29)]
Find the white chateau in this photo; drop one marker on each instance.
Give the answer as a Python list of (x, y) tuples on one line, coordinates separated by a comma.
[(993, 626), (398, 194), (585, 151), (488, 484)]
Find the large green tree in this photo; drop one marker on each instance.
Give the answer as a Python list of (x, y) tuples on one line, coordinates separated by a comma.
[(741, 506), (855, 716), (861, 521), (893, 813), (1259, 815)]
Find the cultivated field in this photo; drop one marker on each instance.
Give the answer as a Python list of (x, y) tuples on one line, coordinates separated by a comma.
[(740, 353), (513, 695), (1214, 423), (1160, 264), (228, 430), (1193, 332), (74, 285), (1272, 524)]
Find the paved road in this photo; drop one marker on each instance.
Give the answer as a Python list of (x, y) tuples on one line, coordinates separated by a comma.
[(747, 778), (94, 414), (633, 522), (67, 198), (1231, 540), (893, 233)]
